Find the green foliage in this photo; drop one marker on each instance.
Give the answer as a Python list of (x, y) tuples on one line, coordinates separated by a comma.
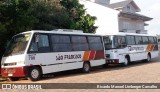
[(22, 15), (82, 20)]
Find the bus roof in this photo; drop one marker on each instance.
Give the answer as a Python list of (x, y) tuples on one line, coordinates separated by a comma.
[(60, 32), (124, 34)]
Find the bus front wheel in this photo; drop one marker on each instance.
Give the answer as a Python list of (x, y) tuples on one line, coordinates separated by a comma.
[(86, 67), (34, 74), (148, 58)]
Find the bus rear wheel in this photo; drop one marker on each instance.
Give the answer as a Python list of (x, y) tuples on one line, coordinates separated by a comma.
[(34, 74), (126, 62), (86, 67), (148, 58)]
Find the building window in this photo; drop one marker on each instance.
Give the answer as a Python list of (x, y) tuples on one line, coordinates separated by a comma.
[(128, 8)]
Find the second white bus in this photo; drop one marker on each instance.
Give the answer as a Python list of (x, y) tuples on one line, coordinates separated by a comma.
[(125, 48)]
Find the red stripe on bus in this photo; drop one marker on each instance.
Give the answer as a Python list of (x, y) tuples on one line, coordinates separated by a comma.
[(148, 47), (153, 47), (86, 55), (15, 72), (92, 54), (99, 55)]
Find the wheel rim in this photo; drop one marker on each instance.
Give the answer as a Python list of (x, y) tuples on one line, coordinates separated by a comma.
[(125, 61), (34, 73), (86, 67), (148, 58)]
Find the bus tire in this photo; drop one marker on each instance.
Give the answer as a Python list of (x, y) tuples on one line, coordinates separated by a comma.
[(13, 78), (86, 67), (148, 58), (126, 61), (34, 73)]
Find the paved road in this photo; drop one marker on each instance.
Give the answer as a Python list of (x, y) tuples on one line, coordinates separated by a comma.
[(136, 73)]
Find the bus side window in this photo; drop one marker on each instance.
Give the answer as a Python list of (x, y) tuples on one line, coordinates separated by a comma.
[(40, 43), (145, 40), (61, 43), (79, 43), (95, 43), (151, 40), (43, 44), (120, 42), (155, 40), (33, 47)]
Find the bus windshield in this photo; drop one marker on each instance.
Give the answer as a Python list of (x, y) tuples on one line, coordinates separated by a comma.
[(18, 44)]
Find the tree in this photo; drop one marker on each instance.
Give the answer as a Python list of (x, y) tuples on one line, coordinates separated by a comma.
[(82, 20), (21, 15)]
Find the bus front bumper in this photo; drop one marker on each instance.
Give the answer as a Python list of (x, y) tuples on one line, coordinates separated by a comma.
[(14, 72), (112, 61)]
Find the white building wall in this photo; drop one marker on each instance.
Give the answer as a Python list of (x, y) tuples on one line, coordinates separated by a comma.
[(129, 24), (107, 18)]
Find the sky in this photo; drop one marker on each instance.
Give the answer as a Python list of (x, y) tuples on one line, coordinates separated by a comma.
[(150, 8)]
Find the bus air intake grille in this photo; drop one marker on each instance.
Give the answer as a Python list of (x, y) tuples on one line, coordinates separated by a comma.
[(10, 64)]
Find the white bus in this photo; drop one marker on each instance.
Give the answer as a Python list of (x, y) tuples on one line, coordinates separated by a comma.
[(34, 53), (125, 48)]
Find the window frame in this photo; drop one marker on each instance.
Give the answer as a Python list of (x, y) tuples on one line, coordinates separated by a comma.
[(123, 45), (38, 51), (150, 40), (130, 37), (61, 43), (139, 40), (101, 42), (72, 43), (143, 40)]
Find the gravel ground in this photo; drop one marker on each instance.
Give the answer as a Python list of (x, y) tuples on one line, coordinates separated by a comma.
[(136, 73)]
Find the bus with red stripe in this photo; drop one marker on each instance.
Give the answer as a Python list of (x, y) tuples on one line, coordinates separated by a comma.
[(125, 48), (34, 53)]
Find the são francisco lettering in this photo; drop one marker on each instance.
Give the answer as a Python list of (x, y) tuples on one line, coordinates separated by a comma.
[(64, 57)]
